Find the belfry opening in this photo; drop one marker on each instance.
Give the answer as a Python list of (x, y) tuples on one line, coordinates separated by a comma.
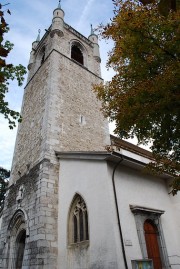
[(77, 55)]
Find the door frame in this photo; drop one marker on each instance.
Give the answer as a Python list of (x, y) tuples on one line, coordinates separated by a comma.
[(141, 214)]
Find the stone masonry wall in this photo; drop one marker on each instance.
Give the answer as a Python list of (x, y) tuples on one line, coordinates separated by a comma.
[(57, 98), (75, 121), (40, 202), (32, 131), (60, 113), (63, 45)]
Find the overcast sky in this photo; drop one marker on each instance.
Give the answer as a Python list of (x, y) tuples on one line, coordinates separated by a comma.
[(27, 16)]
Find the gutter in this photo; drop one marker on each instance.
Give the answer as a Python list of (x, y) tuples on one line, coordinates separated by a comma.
[(117, 212)]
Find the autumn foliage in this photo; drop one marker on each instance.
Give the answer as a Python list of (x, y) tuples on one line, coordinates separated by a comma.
[(143, 96), (8, 72)]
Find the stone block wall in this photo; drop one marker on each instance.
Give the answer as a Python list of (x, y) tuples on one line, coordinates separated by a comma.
[(60, 111), (63, 45), (32, 131), (40, 204), (75, 121)]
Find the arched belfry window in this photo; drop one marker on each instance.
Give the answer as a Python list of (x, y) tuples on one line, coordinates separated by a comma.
[(78, 221), (76, 54)]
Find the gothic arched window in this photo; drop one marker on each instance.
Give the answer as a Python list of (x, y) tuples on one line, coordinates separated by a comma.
[(78, 221), (76, 54)]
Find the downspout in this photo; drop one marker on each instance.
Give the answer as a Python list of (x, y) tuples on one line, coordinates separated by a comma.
[(117, 212)]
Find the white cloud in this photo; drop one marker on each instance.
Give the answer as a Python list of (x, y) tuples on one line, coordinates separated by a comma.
[(85, 12)]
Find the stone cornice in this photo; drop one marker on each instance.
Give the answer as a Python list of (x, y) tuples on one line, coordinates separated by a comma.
[(136, 209), (85, 68)]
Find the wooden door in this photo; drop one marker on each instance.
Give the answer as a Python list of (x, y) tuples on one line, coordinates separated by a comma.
[(152, 245)]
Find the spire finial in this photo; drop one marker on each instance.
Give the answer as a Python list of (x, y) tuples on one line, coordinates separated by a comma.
[(59, 5), (38, 37), (92, 30)]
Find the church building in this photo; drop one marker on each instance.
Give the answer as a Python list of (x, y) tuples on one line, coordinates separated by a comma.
[(79, 198)]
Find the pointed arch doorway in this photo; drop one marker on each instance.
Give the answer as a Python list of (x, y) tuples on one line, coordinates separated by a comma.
[(152, 245), (17, 239), (20, 246)]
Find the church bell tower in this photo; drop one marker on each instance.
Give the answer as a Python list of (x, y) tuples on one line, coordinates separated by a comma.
[(60, 112)]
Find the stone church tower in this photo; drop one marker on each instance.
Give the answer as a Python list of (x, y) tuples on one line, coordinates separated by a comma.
[(60, 113), (71, 204)]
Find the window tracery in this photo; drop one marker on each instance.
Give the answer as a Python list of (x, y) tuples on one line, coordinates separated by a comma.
[(78, 221)]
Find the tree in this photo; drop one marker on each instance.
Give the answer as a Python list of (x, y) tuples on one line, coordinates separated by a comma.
[(8, 72), (4, 175), (164, 6), (143, 96)]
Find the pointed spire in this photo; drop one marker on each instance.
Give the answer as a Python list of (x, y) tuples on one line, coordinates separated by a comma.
[(93, 37), (38, 37), (58, 21), (59, 5), (92, 30)]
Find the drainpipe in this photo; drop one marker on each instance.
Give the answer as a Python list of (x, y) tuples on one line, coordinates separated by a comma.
[(117, 211)]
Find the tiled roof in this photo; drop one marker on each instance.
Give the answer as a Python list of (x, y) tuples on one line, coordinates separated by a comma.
[(122, 144)]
